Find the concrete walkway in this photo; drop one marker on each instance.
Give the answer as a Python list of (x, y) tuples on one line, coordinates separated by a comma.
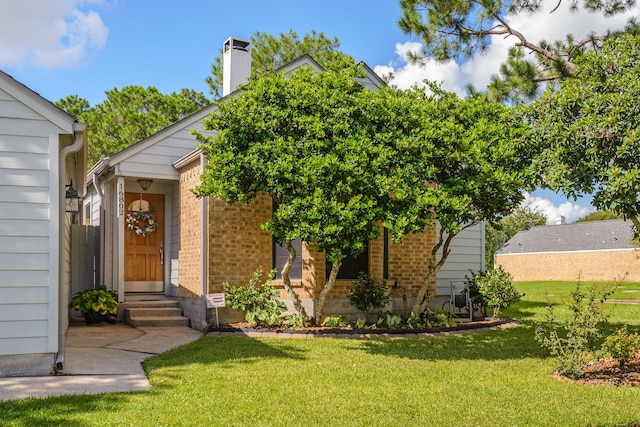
[(101, 359)]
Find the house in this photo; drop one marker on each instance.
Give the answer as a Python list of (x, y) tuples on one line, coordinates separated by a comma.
[(596, 250), (42, 153), (198, 244)]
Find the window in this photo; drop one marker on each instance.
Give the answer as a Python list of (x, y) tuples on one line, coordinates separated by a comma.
[(352, 266), (87, 214), (280, 255), (140, 205), (385, 255)]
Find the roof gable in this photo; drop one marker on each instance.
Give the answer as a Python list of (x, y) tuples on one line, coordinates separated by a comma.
[(580, 236), (371, 79), (37, 103), (186, 122)]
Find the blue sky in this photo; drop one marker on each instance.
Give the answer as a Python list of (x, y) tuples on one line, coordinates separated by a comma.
[(86, 47)]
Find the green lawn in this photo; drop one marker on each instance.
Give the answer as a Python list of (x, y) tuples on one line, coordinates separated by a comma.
[(496, 378)]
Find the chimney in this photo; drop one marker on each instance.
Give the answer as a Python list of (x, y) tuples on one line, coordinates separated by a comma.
[(561, 220), (236, 64)]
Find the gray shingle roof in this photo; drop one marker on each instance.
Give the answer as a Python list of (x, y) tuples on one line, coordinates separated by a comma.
[(579, 236)]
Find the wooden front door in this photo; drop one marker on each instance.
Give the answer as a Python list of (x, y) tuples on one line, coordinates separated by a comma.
[(144, 243)]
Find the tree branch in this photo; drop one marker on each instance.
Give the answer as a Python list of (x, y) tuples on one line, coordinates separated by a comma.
[(533, 47)]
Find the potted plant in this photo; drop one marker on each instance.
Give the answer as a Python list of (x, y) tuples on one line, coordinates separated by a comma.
[(94, 304)]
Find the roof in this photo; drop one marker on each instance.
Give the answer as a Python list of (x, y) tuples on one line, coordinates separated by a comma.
[(35, 101), (53, 114), (105, 163), (613, 234)]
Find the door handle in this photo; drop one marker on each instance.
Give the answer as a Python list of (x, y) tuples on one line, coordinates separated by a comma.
[(161, 254)]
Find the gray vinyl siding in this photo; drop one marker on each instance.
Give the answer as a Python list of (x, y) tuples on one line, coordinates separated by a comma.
[(26, 275), (93, 200), (156, 160), (467, 253)]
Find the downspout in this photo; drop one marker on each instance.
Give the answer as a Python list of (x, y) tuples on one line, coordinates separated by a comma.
[(77, 145), (102, 228), (205, 251)]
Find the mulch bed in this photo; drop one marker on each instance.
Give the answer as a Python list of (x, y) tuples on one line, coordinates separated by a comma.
[(608, 372), (321, 330)]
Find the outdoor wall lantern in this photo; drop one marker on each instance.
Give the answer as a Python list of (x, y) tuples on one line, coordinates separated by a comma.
[(145, 184), (71, 199)]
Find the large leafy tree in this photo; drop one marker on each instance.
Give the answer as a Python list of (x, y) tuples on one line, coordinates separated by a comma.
[(338, 159), (496, 235), (590, 132), (459, 162), (304, 140), (458, 30), (129, 115), (73, 105), (269, 53)]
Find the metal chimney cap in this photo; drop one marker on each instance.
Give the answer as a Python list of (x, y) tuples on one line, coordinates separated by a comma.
[(233, 43)]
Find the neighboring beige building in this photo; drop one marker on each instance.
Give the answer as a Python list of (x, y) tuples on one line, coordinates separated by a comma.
[(586, 251)]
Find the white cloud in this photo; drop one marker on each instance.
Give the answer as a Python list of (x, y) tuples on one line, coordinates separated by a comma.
[(571, 211), (48, 34), (478, 70)]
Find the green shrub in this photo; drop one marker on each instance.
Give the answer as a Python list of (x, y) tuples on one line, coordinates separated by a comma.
[(367, 294), (389, 319), (335, 321), (260, 303), (295, 321), (361, 323), (414, 321), (622, 346), (573, 344), (431, 319), (495, 290), (98, 300)]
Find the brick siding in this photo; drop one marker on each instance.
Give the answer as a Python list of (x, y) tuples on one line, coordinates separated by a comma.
[(190, 251), (238, 246)]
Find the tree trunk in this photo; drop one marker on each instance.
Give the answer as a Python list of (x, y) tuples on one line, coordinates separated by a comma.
[(297, 304), (636, 224), (444, 241), (322, 299), (422, 299)]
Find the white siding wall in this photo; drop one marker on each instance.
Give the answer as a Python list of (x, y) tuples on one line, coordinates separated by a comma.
[(467, 253), (156, 161), (26, 276), (93, 201), (110, 231)]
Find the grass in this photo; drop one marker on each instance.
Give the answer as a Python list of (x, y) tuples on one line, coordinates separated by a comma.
[(497, 378), (533, 305)]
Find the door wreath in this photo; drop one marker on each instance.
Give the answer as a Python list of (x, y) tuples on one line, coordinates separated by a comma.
[(142, 223)]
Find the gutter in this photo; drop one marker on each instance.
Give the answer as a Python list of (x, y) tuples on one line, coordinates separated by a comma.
[(204, 274), (100, 192), (79, 132)]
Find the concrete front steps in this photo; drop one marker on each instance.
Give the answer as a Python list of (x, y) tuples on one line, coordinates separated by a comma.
[(153, 313)]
